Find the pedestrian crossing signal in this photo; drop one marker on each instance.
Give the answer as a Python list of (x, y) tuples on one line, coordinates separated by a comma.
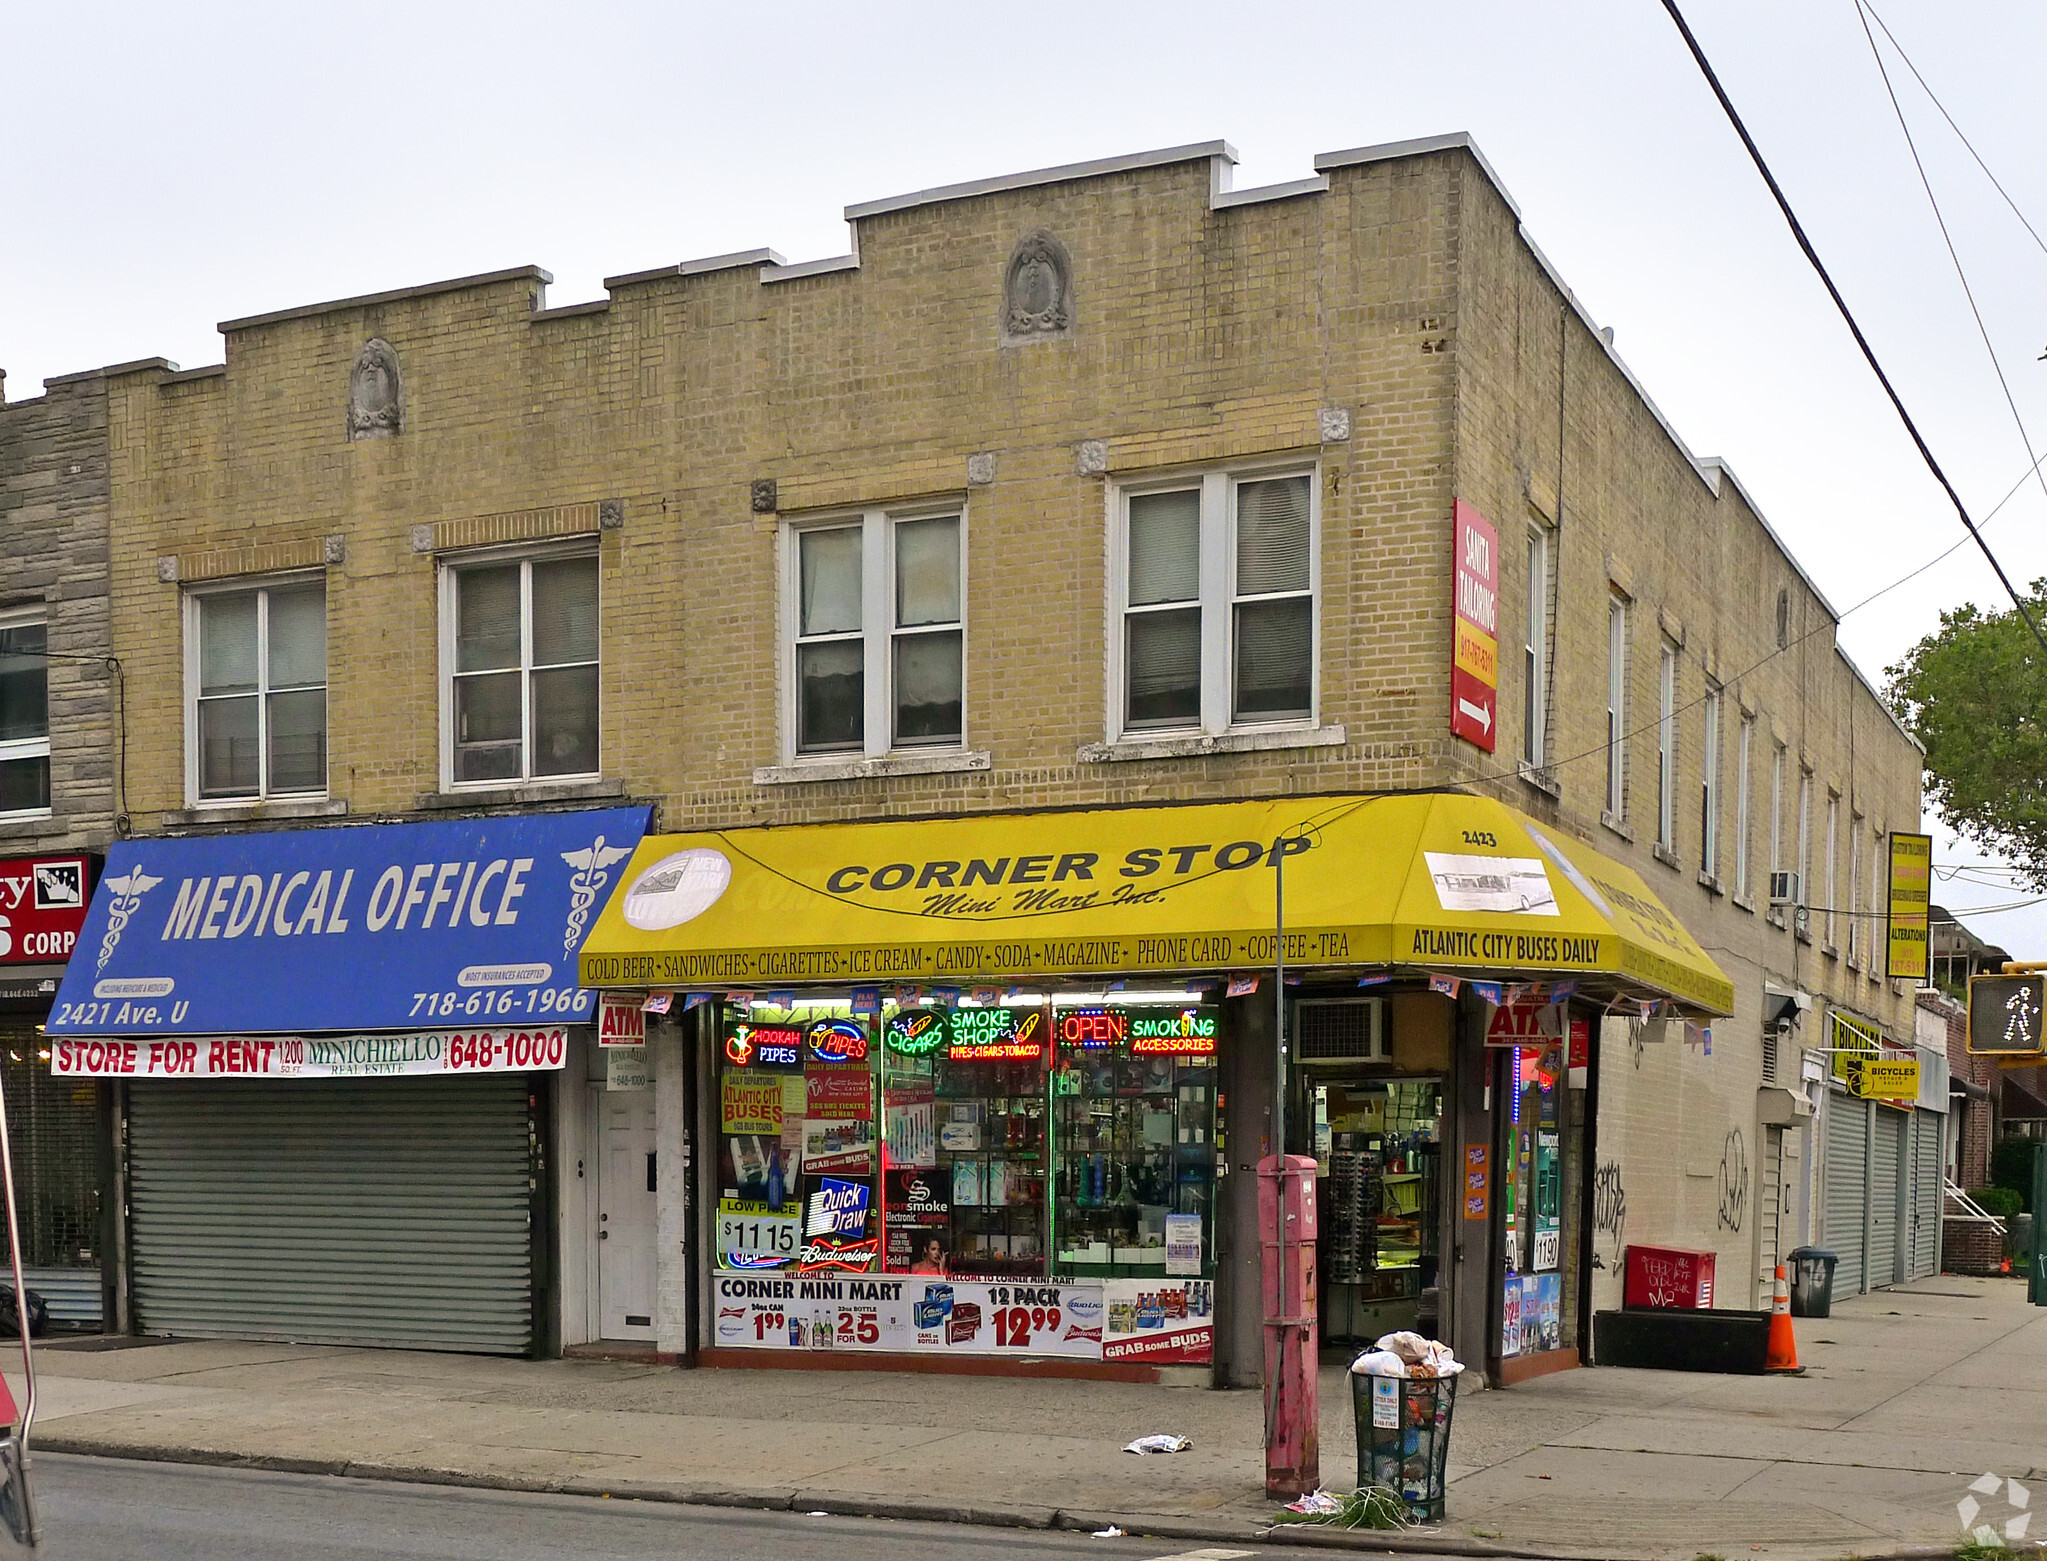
[(2005, 1015)]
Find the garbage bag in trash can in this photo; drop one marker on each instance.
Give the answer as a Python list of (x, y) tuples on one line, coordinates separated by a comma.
[(1812, 1282), (1404, 1436)]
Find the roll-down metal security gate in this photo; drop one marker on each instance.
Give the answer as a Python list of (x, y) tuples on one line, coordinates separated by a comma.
[(1885, 1188), (390, 1211), (1847, 1177), (1929, 1170)]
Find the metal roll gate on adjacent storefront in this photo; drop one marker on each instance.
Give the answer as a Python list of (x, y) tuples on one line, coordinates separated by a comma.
[(1927, 1200), (1847, 1172), (391, 1211), (1888, 1166)]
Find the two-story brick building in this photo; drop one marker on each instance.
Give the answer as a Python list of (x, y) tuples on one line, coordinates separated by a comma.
[(61, 703), (1030, 627)]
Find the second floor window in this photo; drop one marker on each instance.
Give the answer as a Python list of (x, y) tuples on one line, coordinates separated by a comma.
[(878, 635), (1535, 714), (24, 714), (1743, 758), (1666, 749), (1709, 786), (1617, 707), (1218, 609), (521, 691), (259, 697)]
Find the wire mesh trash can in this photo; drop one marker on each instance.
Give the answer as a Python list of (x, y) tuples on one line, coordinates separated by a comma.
[(1812, 1282), (1404, 1437)]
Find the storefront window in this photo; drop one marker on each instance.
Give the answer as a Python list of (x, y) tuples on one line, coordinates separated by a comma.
[(1046, 1168), (1533, 1186), (1136, 1096)]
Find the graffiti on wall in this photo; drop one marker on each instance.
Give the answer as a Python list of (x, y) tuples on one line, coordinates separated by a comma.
[(1609, 1211), (1733, 1180)]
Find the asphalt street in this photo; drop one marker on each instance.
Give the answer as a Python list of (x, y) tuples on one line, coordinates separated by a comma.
[(106, 1509)]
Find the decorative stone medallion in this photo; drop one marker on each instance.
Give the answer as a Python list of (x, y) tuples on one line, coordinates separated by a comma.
[(1037, 290), (376, 393)]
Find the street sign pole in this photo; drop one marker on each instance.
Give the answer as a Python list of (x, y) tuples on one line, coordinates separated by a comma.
[(2036, 1269)]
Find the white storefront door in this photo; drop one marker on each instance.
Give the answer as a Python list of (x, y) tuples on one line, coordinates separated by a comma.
[(625, 1214)]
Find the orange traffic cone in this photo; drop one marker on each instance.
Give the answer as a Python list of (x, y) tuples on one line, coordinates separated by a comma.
[(1782, 1354)]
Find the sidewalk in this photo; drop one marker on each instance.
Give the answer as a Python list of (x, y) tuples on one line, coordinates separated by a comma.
[(1909, 1395)]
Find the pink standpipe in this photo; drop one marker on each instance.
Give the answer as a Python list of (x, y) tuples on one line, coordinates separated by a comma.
[(1286, 1227)]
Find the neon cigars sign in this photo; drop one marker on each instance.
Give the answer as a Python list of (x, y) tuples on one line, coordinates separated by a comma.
[(1185, 1032), (917, 1033)]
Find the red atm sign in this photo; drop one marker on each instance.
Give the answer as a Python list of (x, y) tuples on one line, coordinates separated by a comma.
[(42, 907)]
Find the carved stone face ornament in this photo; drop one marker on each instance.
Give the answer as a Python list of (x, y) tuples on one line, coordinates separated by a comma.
[(376, 393), (1037, 294)]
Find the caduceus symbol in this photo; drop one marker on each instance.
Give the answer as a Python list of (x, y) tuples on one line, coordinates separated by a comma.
[(593, 870), (128, 891)]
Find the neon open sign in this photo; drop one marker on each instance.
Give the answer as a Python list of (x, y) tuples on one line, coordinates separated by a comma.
[(1187, 1032), (1092, 1028)]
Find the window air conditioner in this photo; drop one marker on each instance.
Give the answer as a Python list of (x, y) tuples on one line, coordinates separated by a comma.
[(1340, 1029), (1783, 888)]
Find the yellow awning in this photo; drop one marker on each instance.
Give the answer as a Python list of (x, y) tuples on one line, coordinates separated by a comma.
[(1437, 881)]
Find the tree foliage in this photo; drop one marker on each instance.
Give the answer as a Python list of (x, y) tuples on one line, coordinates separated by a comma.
[(1975, 694)]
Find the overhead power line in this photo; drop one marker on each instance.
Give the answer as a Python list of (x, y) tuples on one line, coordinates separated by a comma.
[(1863, 15), (1957, 129), (1848, 316)]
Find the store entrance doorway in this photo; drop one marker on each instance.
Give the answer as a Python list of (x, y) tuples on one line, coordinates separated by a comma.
[(625, 1217), (1378, 1156)]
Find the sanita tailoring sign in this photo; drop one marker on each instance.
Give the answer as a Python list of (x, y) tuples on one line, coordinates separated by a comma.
[(387, 927)]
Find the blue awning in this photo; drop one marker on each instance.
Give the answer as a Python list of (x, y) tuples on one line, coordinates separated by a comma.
[(366, 927)]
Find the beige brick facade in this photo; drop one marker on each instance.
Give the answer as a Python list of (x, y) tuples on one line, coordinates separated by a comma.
[(1398, 288)]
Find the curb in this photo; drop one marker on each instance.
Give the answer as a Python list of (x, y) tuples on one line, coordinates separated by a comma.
[(839, 1504)]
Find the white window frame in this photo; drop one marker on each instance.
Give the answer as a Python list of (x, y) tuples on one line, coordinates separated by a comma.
[(1666, 749), (1743, 758), (526, 557), (1535, 652), (1217, 598), (1805, 841), (1617, 707), (31, 747), (193, 595), (1833, 861), (1854, 887), (877, 633), (1709, 785), (1876, 950)]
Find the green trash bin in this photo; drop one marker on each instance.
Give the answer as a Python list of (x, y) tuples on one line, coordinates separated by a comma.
[(1404, 1437)]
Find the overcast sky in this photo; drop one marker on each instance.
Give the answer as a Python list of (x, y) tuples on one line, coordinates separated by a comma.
[(168, 167)]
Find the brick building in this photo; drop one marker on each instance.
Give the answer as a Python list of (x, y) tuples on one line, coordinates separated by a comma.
[(61, 700), (1104, 488)]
